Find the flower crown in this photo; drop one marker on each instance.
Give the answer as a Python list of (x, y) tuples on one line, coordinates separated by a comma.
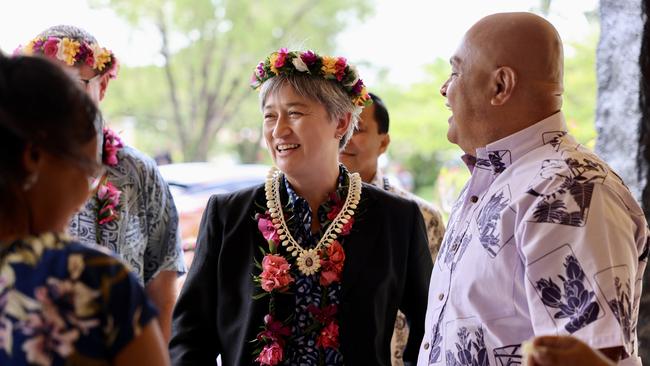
[(330, 68), (73, 52)]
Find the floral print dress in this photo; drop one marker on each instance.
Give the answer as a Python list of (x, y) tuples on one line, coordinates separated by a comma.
[(63, 303)]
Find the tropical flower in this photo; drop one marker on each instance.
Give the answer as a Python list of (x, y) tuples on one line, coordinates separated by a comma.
[(68, 48), (51, 47), (300, 65), (271, 354), (332, 266), (265, 225), (329, 66), (112, 144), (309, 57), (274, 330), (329, 336), (109, 200), (275, 273)]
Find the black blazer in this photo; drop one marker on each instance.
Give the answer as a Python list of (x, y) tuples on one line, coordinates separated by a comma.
[(387, 266)]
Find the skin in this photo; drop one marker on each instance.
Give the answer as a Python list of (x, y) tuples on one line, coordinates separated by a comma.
[(500, 85), (162, 288), (60, 190), (565, 351), (365, 146), (312, 166)]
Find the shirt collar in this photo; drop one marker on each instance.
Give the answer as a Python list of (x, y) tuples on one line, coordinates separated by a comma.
[(499, 155)]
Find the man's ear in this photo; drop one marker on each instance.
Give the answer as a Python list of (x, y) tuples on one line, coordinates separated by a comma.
[(505, 80), (385, 141), (103, 85), (343, 124)]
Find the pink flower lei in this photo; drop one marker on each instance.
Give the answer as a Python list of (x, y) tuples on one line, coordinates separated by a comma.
[(276, 278), (108, 196)]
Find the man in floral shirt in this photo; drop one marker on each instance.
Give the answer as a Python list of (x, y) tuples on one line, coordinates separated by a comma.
[(132, 212), (361, 154), (545, 239)]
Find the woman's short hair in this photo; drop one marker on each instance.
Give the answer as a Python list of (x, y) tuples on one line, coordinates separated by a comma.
[(336, 101), (43, 106)]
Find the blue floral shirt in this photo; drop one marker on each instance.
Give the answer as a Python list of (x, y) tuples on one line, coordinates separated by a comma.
[(302, 349), (63, 303), (145, 235)]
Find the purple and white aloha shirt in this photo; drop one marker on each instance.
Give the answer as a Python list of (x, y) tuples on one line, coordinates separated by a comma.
[(544, 239)]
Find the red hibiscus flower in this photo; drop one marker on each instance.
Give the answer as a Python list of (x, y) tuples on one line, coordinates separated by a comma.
[(332, 265), (275, 273), (329, 336)]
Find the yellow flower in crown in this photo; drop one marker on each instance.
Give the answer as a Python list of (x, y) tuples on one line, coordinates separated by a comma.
[(272, 60), (67, 51), (102, 57), (329, 65)]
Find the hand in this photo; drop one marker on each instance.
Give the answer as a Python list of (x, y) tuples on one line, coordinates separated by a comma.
[(561, 351)]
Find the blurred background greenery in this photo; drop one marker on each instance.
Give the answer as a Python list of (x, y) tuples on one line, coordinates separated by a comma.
[(195, 104)]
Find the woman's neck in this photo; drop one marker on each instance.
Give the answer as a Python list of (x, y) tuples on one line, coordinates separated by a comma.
[(315, 187)]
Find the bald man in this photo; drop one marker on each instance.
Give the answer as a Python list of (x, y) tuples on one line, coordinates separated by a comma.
[(545, 239)]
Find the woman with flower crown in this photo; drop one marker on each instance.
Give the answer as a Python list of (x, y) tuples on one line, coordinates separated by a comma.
[(311, 267), (61, 302)]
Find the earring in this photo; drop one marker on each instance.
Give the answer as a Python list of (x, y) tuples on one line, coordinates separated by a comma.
[(338, 137), (30, 181)]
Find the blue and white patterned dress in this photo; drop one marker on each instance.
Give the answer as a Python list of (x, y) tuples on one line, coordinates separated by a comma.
[(64, 303)]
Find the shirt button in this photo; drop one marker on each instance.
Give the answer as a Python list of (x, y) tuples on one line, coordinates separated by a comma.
[(473, 199), (441, 296), (426, 346)]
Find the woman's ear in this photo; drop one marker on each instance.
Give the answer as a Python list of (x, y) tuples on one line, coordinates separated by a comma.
[(343, 124), (505, 80), (31, 159), (103, 85)]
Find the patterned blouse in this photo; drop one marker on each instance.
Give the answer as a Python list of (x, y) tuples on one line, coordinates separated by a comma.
[(302, 350), (145, 235), (64, 303)]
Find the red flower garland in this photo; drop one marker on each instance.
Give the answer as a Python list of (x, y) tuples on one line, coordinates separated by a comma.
[(276, 278)]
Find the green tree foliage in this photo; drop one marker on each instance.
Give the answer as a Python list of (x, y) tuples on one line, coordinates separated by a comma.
[(202, 85)]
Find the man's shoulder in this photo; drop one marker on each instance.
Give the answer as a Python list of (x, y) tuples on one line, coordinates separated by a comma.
[(134, 157)]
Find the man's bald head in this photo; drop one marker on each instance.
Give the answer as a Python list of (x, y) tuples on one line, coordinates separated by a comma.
[(506, 75), (525, 42)]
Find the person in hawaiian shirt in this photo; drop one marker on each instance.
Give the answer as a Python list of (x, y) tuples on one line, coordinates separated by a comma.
[(361, 154), (61, 302), (545, 238), (311, 267), (132, 212)]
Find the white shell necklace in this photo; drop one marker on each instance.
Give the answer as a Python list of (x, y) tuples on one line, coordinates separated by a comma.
[(308, 260)]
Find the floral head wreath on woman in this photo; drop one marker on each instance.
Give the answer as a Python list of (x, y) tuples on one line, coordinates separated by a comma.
[(337, 69), (73, 52)]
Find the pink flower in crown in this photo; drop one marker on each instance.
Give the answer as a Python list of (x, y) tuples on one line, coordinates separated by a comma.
[(272, 354), (282, 57), (265, 226), (275, 273), (329, 336), (309, 58), (274, 330), (50, 47), (112, 144), (340, 65), (259, 70)]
